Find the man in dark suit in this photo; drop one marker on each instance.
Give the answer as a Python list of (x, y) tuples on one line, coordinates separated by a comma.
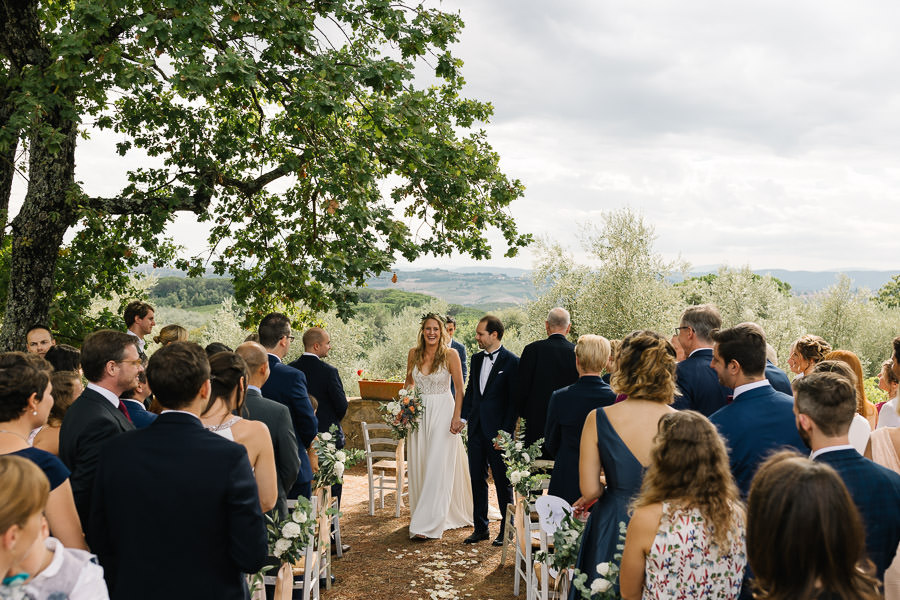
[(111, 365), (205, 528), (778, 378), (824, 408), (488, 407), (287, 386), (545, 366), (697, 382), (277, 418), (569, 407), (759, 420), (450, 325)]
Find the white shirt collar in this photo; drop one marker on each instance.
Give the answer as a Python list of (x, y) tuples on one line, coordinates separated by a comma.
[(111, 396), (183, 412), (253, 387), (750, 386), (698, 350), (822, 451), (141, 343)]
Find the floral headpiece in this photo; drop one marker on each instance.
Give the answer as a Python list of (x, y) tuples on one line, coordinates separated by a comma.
[(431, 315)]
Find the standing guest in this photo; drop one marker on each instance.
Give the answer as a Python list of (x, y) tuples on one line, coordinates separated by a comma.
[(777, 378), (863, 406), (207, 528), (545, 366), (700, 388), (25, 403), (611, 361), (229, 374), (64, 357), (65, 386), (23, 495), (616, 442), (38, 340), (817, 550), (450, 325), (806, 352), (287, 386), (568, 409), (686, 535), (171, 333), (824, 407), (111, 364), (277, 418), (489, 408), (215, 348), (860, 431), (136, 401), (889, 383), (139, 322), (759, 419), (323, 382)]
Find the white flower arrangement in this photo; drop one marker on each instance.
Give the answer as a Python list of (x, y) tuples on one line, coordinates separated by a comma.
[(289, 537), (333, 462), (519, 460), (604, 586)]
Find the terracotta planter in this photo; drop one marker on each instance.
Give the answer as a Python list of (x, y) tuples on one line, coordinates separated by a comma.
[(379, 389)]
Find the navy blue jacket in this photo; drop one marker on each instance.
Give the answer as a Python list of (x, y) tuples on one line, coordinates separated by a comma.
[(140, 416), (758, 422), (569, 407), (495, 409), (876, 492), (699, 384), (202, 526), (287, 386), (461, 350), (324, 383), (778, 379)]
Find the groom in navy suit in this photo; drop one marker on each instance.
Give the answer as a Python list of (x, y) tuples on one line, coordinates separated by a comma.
[(488, 407)]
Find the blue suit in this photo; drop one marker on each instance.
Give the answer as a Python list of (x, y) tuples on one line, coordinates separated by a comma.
[(461, 350), (140, 416), (759, 421), (876, 492), (287, 386), (778, 379), (569, 407), (487, 414), (699, 384)]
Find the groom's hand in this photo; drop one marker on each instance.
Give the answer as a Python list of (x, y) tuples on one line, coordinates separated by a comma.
[(456, 425)]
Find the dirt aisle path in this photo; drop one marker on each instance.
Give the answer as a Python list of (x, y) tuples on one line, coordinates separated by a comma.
[(384, 564)]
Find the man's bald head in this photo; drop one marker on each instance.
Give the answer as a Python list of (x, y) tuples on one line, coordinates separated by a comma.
[(317, 341), (253, 354)]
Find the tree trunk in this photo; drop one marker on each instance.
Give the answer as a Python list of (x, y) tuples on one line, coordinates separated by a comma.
[(37, 235), (7, 159)]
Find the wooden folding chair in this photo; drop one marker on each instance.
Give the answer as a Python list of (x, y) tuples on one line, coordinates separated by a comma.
[(391, 451)]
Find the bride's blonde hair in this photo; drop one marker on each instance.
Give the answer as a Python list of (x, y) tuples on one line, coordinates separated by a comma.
[(440, 354)]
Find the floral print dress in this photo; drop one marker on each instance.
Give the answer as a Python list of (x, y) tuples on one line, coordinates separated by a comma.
[(684, 563)]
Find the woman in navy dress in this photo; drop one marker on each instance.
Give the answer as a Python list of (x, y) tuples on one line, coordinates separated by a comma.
[(616, 443)]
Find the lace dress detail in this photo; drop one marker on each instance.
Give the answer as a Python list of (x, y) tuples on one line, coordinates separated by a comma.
[(432, 384)]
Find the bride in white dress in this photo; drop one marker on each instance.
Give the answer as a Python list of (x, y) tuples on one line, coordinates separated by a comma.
[(440, 492)]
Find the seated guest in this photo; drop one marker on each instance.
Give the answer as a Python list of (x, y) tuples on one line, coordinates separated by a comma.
[(817, 550), (567, 411), (806, 352), (65, 386), (23, 496), (759, 419), (229, 375), (25, 403), (688, 522), (171, 333), (617, 441), (888, 412), (859, 427), (136, 399), (207, 528), (700, 388), (863, 406), (64, 358), (825, 404)]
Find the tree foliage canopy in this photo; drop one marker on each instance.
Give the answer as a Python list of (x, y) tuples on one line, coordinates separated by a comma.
[(295, 129)]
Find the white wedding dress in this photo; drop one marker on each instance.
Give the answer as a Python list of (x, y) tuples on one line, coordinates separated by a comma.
[(440, 491)]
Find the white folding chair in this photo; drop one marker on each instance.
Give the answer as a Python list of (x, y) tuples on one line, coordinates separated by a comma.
[(551, 510), (308, 566), (527, 538), (391, 451)]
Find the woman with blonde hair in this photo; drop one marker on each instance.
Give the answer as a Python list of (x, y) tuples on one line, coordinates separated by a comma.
[(171, 333), (806, 352), (24, 490), (888, 383), (440, 493), (688, 521), (616, 443)]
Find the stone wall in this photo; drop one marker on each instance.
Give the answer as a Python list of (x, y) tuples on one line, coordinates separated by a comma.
[(359, 410)]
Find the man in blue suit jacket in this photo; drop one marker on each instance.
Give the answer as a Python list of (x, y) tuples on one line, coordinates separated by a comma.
[(778, 378), (287, 385), (759, 420), (825, 405), (488, 407), (205, 528), (697, 382), (460, 349)]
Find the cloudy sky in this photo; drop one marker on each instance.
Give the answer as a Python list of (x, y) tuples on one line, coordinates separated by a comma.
[(747, 133), (763, 133)]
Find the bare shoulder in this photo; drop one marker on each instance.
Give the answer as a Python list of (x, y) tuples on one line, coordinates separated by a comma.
[(646, 519)]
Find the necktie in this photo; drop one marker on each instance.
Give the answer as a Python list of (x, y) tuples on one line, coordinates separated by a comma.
[(729, 399), (124, 410)]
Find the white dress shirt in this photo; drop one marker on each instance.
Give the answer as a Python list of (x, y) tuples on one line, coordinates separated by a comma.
[(486, 365), (749, 386), (140, 343), (111, 396)]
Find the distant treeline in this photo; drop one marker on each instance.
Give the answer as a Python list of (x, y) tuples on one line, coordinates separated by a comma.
[(184, 292)]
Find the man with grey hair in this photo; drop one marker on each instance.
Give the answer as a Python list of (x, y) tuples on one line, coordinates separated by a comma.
[(697, 382), (545, 366)]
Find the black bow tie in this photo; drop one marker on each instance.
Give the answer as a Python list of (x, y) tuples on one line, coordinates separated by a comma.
[(490, 355)]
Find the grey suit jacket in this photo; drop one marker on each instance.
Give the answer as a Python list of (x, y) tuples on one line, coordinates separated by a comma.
[(277, 418)]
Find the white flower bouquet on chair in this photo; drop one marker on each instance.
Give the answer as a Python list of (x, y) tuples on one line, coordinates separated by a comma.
[(519, 460), (333, 462)]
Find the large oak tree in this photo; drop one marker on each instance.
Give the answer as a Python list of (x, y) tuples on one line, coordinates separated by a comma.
[(296, 129)]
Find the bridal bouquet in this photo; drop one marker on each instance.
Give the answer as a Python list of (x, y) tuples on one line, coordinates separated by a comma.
[(333, 462), (519, 460), (403, 413)]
